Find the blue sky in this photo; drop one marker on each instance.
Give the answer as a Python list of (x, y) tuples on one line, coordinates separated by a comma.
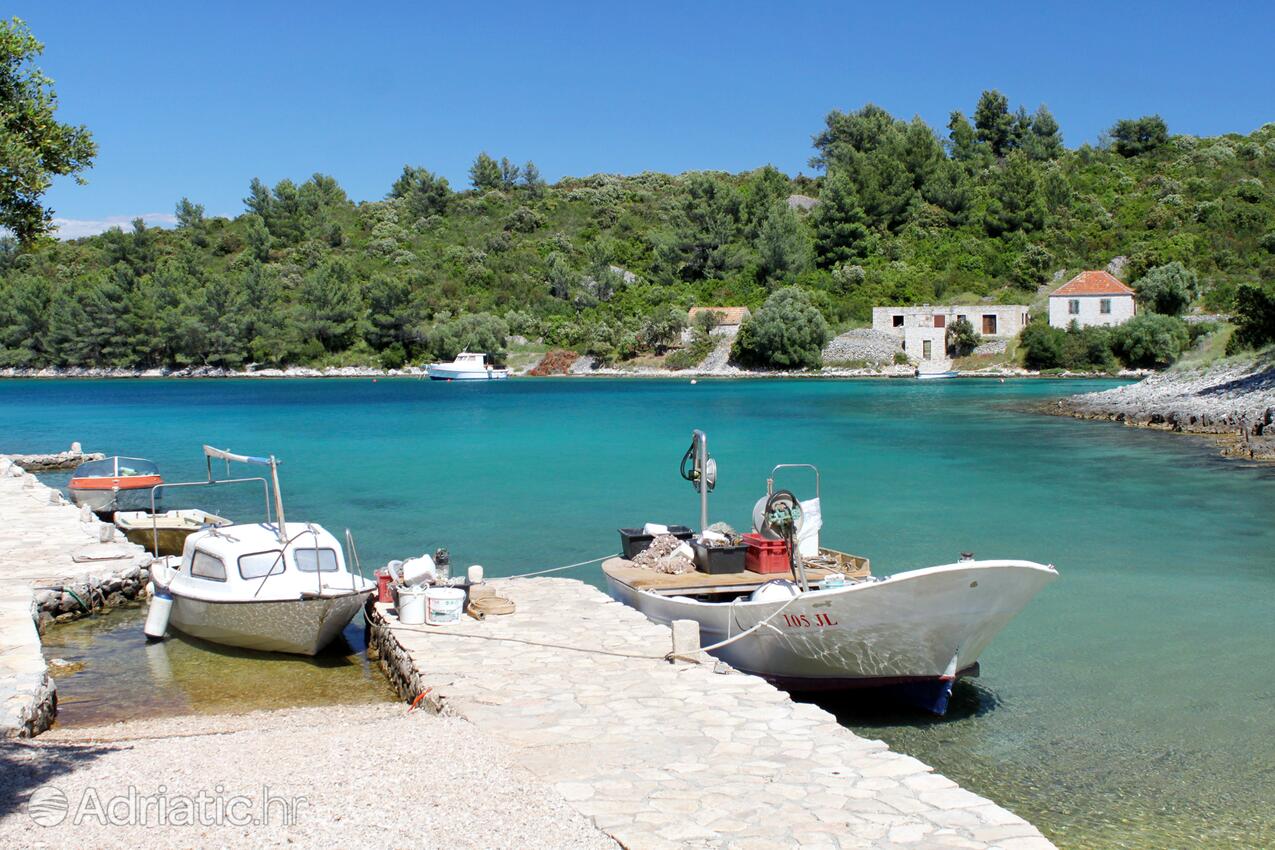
[(196, 99)]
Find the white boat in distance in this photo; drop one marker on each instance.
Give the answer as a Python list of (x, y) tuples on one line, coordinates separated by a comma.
[(467, 366), (828, 624), (273, 586)]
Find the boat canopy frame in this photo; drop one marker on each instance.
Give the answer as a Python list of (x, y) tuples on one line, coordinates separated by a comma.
[(212, 481), (770, 480)]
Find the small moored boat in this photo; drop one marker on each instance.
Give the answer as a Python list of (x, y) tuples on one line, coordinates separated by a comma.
[(467, 366), (825, 622), (115, 483), (165, 533), (273, 586)]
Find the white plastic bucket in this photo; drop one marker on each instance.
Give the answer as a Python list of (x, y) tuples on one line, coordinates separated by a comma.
[(443, 605), (411, 605)]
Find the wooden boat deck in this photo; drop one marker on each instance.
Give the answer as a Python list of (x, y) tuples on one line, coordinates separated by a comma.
[(698, 583)]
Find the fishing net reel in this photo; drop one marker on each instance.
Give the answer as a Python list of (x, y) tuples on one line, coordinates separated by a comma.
[(778, 516)]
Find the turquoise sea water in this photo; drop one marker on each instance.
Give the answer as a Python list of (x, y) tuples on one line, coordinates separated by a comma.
[(1129, 706)]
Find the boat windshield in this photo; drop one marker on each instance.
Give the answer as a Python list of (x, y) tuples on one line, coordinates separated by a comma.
[(136, 466), (115, 467), (96, 469)]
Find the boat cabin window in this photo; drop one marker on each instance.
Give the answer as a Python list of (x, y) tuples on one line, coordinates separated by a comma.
[(316, 560), (261, 564), (207, 566)]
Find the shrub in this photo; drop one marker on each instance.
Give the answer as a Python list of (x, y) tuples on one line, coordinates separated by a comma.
[(661, 328), (1150, 341), (1042, 346), (477, 332), (1046, 347), (961, 338), (1168, 289), (788, 332), (1254, 317)]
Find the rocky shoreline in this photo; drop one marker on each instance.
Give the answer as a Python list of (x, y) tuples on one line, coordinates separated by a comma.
[(1232, 402), (583, 367)]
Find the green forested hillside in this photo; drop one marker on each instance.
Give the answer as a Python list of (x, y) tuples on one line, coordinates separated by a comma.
[(989, 207)]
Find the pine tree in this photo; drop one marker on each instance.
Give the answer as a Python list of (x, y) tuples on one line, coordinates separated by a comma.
[(841, 233), (484, 174)]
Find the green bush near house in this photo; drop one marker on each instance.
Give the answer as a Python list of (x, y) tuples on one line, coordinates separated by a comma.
[(961, 338), (1167, 289), (1150, 341), (787, 332)]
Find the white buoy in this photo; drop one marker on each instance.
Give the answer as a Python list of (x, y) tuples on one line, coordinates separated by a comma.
[(693, 381), (161, 608)]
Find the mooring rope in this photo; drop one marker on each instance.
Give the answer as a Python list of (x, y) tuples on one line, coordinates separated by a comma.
[(668, 656), (559, 569)]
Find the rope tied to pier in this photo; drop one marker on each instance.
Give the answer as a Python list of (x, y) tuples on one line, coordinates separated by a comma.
[(561, 569)]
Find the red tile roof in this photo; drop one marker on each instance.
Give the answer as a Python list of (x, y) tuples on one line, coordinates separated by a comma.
[(1093, 283), (725, 315)]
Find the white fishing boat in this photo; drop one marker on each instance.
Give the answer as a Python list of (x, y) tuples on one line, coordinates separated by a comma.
[(826, 623), (936, 376), (273, 586), (467, 366)]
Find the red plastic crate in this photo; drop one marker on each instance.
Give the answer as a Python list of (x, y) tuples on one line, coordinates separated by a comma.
[(766, 556)]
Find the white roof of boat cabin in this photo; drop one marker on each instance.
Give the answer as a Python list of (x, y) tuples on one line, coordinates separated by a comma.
[(234, 540), (466, 356)]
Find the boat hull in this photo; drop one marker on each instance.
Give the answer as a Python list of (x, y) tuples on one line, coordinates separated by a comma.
[(299, 626), (106, 500), (915, 633), (446, 372)]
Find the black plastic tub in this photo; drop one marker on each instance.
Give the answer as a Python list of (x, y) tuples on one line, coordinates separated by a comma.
[(717, 560), (634, 540)]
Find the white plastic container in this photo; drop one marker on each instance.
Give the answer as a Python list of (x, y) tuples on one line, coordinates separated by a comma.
[(161, 608), (411, 605), (443, 605), (419, 570)]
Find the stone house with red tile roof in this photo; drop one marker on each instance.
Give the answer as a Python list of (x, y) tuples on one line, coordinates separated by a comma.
[(1091, 298)]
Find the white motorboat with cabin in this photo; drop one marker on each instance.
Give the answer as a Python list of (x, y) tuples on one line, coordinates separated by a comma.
[(275, 586), (826, 623), (467, 366)]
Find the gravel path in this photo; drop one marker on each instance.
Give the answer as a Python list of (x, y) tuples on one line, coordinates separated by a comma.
[(370, 776)]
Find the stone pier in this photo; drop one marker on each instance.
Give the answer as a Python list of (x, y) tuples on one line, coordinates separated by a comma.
[(56, 563), (686, 755)]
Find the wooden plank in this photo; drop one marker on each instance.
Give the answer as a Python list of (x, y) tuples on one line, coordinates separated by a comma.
[(641, 578)]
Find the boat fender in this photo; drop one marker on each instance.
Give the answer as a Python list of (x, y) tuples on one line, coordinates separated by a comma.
[(161, 608), (775, 591)]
